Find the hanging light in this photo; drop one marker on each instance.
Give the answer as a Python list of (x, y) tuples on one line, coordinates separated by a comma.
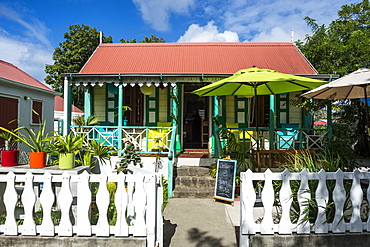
[(147, 90)]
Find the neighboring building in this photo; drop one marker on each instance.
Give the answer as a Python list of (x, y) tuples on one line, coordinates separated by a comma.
[(20, 93), (59, 113)]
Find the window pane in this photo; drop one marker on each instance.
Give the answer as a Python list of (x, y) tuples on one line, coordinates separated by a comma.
[(36, 107)]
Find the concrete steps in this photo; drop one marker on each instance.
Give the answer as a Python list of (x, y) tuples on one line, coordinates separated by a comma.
[(193, 182)]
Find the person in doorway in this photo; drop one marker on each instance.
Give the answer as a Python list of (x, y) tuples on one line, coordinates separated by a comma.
[(196, 125)]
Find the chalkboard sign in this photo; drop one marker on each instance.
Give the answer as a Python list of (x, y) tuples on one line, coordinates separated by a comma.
[(225, 180)]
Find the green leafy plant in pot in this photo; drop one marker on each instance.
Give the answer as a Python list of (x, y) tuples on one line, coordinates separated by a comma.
[(66, 147), (9, 156)]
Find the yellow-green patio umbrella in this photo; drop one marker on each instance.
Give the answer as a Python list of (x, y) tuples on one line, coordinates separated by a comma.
[(255, 81)]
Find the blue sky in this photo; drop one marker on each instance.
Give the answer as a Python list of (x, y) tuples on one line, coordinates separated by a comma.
[(31, 29)]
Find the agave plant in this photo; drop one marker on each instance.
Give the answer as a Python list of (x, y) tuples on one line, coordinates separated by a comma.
[(37, 141)]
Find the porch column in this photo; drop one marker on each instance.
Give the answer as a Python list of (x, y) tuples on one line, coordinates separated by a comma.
[(176, 139), (175, 113), (120, 117), (88, 103), (272, 121), (67, 107), (330, 121), (216, 147)]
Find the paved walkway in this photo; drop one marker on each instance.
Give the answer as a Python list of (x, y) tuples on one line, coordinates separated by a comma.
[(200, 222)]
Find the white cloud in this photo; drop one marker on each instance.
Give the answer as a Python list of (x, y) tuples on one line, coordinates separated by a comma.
[(26, 45), (272, 20), (157, 12), (208, 33), (29, 57), (33, 27)]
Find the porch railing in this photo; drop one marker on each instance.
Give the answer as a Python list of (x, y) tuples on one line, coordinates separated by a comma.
[(283, 139), (348, 204), (146, 139), (138, 202)]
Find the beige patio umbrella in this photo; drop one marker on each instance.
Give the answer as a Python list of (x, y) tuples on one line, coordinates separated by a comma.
[(352, 86)]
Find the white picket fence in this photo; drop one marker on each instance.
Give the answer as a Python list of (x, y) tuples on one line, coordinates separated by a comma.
[(138, 200), (248, 225)]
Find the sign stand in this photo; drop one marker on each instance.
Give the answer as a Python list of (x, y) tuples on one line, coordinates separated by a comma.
[(225, 180)]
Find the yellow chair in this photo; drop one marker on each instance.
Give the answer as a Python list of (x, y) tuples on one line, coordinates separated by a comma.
[(247, 136), (157, 138)]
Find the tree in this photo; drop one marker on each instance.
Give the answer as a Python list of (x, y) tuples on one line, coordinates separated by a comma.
[(153, 39), (343, 47), (71, 55)]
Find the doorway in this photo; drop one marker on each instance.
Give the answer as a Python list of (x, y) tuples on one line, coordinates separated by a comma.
[(134, 98), (195, 119)]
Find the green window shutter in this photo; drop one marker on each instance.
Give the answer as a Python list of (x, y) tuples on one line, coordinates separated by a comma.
[(282, 109), (152, 108), (111, 104), (241, 111)]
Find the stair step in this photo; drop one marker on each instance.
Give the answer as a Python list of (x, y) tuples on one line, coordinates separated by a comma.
[(195, 182), (193, 193), (192, 171)]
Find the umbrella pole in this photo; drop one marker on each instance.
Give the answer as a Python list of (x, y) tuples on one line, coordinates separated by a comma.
[(256, 117), (367, 113)]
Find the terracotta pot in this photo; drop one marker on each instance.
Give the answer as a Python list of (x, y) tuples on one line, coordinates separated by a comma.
[(37, 159), (66, 161), (9, 158)]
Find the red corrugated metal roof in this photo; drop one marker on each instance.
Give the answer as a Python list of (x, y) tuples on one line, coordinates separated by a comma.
[(203, 58), (59, 105), (11, 72)]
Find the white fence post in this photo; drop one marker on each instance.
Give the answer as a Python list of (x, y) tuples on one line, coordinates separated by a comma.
[(120, 199), (322, 199), (28, 201), (83, 205), (285, 196), (102, 201), (268, 197), (47, 199), (65, 201), (356, 196), (10, 199), (339, 199), (140, 201), (303, 226)]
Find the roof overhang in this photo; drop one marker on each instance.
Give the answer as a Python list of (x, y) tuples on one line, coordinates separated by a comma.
[(22, 85), (156, 78)]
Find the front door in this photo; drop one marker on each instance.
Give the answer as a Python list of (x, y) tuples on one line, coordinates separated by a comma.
[(195, 117), (134, 98), (8, 113)]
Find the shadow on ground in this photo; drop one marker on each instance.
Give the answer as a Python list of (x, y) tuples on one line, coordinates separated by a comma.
[(169, 230), (203, 239)]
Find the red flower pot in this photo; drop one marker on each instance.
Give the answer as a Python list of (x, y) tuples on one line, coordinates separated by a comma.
[(9, 158)]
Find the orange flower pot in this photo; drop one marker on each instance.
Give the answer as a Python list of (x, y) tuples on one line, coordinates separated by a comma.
[(9, 158), (37, 159)]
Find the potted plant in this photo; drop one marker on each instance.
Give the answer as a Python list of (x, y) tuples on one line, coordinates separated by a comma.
[(9, 156), (66, 147), (36, 141), (94, 154)]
